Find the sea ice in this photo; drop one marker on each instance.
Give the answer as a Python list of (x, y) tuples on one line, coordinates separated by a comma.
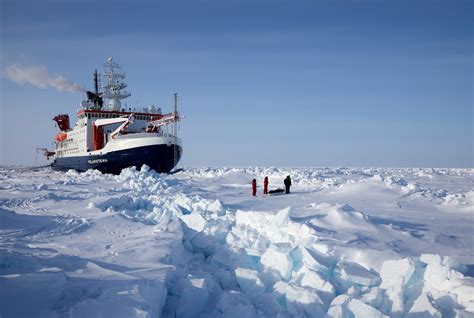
[(424, 307), (279, 262), (311, 259), (230, 255), (234, 305), (376, 298), (338, 307), (299, 301), (224, 258), (440, 277), (357, 274), (216, 207), (193, 298), (256, 220), (314, 280), (361, 310), (280, 219), (249, 281), (194, 221), (392, 270)]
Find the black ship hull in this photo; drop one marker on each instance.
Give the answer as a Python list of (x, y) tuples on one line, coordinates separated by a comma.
[(161, 158)]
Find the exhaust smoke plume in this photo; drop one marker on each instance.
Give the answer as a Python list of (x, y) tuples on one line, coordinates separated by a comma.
[(39, 77)]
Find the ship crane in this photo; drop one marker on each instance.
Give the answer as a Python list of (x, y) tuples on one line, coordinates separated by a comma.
[(124, 120), (45, 152), (164, 120)]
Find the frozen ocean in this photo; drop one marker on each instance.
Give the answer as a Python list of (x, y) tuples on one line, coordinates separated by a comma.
[(346, 242)]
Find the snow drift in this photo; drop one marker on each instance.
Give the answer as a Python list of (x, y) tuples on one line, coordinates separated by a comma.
[(345, 243)]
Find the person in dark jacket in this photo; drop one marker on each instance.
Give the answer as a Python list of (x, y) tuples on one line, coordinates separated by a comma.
[(287, 184), (265, 185), (254, 187)]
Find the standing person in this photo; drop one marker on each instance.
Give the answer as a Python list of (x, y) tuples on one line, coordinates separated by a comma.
[(254, 187), (265, 185), (287, 184)]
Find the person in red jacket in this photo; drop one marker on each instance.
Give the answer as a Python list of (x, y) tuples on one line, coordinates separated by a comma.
[(265, 185), (254, 187)]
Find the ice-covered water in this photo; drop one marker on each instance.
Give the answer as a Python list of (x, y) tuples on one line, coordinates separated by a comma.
[(347, 242)]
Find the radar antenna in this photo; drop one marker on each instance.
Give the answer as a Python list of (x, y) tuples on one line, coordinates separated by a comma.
[(113, 84)]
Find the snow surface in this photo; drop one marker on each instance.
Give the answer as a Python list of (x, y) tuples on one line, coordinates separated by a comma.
[(347, 242)]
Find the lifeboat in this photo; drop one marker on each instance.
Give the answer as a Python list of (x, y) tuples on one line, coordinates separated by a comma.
[(61, 136)]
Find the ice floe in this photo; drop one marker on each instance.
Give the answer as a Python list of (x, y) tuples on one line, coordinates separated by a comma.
[(345, 243)]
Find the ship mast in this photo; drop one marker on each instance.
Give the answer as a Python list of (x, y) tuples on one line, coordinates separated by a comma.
[(96, 90), (113, 86), (175, 129)]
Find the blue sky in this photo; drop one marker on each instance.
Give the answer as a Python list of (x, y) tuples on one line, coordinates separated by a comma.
[(271, 83)]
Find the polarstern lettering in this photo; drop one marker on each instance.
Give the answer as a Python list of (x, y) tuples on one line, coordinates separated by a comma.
[(98, 161)]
